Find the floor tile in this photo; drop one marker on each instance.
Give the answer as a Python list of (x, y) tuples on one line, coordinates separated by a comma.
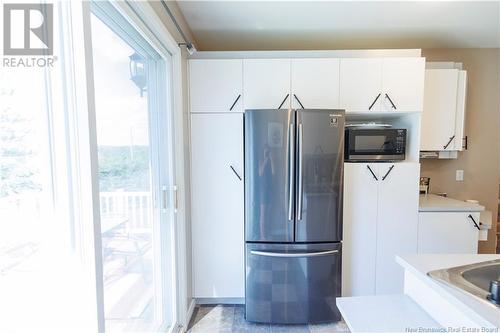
[(213, 319), (290, 329), (231, 318), (241, 325), (339, 327)]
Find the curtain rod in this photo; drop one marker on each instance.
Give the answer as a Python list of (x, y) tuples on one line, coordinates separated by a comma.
[(189, 45)]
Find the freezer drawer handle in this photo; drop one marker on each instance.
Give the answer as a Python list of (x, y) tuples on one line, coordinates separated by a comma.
[(236, 101), (294, 255), (239, 177), (284, 100)]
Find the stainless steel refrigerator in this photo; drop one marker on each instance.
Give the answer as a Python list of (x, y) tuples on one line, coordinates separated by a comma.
[(293, 215)]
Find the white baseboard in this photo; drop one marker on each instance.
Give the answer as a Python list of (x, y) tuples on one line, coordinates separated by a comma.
[(189, 314), (221, 300)]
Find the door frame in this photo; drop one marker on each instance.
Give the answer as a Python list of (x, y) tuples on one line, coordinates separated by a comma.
[(144, 19)]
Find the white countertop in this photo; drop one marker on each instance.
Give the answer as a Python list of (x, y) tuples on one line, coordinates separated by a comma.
[(422, 264), (384, 314), (436, 203)]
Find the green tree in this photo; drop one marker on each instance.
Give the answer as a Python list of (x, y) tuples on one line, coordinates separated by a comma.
[(17, 170)]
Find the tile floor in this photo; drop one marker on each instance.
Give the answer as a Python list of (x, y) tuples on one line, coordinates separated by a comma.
[(231, 318)]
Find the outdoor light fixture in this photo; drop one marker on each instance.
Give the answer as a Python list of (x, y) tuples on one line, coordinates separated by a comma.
[(138, 72)]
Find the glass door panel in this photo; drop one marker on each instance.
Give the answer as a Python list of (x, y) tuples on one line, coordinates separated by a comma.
[(134, 269)]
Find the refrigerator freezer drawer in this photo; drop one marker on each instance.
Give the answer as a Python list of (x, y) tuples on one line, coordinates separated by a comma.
[(293, 283)]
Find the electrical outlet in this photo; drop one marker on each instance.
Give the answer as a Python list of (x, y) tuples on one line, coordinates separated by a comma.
[(459, 176)]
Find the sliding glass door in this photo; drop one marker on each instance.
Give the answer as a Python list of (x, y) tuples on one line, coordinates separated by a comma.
[(134, 175)]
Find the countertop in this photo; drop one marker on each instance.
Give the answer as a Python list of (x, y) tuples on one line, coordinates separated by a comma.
[(422, 264), (385, 313), (436, 203)]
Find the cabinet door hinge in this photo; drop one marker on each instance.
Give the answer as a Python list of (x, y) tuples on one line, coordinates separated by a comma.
[(464, 143)]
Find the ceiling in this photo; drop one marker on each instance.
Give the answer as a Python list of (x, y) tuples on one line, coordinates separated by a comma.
[(316, 25)]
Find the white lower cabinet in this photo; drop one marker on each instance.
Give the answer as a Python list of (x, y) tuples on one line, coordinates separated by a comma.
[(217, 205), (380, 222), (448, 232)]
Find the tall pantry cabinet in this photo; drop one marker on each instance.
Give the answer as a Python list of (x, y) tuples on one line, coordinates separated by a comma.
[(217, 178)]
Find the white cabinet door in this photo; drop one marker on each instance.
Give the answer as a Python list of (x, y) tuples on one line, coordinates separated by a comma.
[(215, 84), (360, 84), (360, 229), (447, 232), (403, 84), (397, 222), (440, 105), (460, 114), (315, 83), (266, 83), (217, 205)]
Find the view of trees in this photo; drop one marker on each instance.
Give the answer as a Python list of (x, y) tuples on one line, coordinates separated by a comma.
[(18, 168), (123, 167)]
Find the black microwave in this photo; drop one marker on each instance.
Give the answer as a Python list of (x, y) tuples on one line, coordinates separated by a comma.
[(374, 144)]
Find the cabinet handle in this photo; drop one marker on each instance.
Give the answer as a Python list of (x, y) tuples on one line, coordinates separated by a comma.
[(298, 100), (390, 100), (236, 101), (449, 141), (388, 172), (371, 171), (375, 101), (474, 221), (235, 172), (284, 100)]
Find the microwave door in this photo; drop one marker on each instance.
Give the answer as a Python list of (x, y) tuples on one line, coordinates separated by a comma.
[(375, 144)]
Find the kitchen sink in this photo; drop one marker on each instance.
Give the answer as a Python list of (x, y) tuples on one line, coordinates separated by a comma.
[(482, 280)]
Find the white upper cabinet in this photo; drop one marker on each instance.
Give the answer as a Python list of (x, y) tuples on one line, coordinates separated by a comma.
[(403, 84), (266, 83), (216, 85), (440, 104), (315, 83), (360, 84), (443, 116), (397, 222), (382, 84)]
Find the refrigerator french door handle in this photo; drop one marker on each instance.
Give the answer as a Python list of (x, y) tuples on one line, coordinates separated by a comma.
[(291, 170), (299, 178), (294, 255)]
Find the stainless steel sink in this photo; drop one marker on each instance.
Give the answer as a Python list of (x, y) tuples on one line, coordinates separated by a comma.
[(474, 279)]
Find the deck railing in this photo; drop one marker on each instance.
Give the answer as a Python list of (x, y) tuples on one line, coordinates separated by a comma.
[(134, 206)]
